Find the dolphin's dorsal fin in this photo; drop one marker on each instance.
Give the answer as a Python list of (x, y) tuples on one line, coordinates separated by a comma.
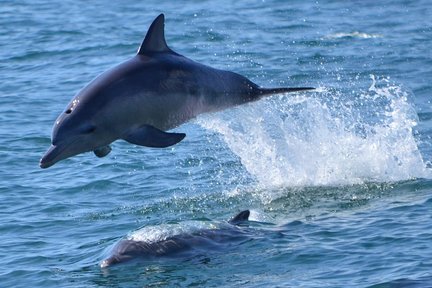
[(155, 38), (241, 217)]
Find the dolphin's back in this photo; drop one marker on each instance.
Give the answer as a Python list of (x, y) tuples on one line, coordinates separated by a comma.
[(208, 239), (218, 89)]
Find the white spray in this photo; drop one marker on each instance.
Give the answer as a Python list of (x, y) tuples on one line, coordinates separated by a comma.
[(325, 138)]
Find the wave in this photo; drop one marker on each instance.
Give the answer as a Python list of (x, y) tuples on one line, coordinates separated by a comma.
[(354, 34)]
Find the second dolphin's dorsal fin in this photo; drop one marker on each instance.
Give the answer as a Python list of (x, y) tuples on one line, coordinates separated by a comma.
[(154, 41), (241, 217)]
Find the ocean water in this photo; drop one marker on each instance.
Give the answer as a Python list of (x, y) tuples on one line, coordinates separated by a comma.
[(338, 180)]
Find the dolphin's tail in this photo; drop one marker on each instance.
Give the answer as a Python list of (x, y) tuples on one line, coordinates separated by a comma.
[(271, 91)]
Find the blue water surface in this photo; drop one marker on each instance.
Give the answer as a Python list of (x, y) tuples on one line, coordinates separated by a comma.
[(338, 180)]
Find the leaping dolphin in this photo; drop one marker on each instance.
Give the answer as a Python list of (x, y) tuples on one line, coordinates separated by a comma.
[(128, 249), (155, 91)]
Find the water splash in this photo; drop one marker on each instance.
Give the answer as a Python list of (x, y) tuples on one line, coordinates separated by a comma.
[(328, 138), (161, 232)]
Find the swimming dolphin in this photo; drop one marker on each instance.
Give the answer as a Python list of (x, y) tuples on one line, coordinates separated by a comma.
[(138, 100), (128, 249)]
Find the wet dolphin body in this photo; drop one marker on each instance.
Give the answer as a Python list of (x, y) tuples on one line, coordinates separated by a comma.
[(127, 249), (138, 100)]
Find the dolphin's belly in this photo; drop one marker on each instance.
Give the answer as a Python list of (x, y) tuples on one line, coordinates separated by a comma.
[(172, 110)]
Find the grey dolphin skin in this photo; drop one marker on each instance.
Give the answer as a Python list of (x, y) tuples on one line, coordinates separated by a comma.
[(141, 98), (126, 250)]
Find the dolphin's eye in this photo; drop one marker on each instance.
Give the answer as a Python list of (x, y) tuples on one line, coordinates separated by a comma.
[(68, 111)]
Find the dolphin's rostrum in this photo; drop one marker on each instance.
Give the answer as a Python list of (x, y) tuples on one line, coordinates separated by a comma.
[(138, 100)]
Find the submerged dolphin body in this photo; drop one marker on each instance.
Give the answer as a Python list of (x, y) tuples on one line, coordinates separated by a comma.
[(155, 91), (128, 249)]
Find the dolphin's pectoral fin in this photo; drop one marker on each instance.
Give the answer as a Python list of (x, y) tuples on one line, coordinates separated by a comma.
[(102, 151), (150, 136)]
